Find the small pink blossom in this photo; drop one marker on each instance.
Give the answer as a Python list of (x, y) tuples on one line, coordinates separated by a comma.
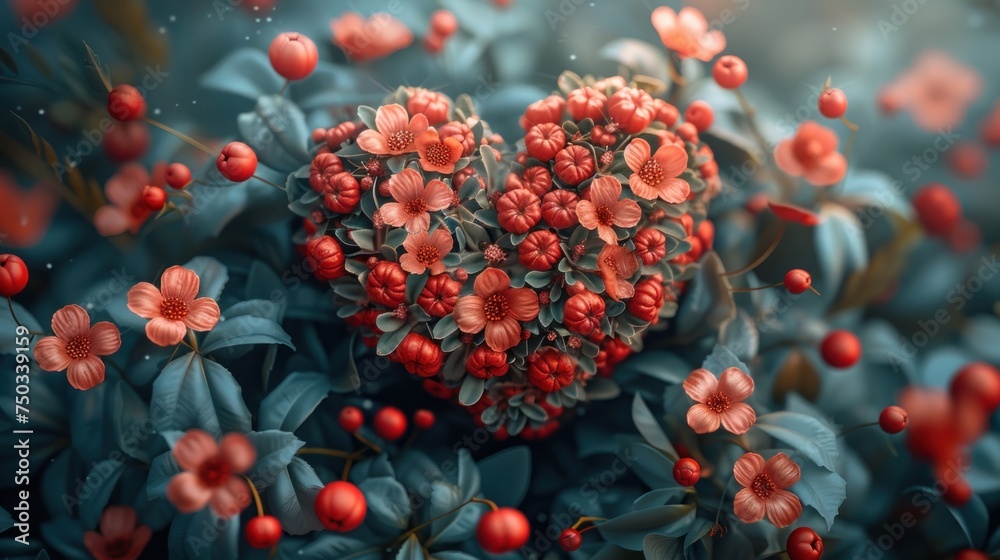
[(719, 401), (937, 90), (656, 174), (396, 133), (687, 33), (211, 473), (764, 489), (414, 201), (617, 264), (173, 308), (812, 154), (377, 37), (424, 251), (120, 537), (498, 308), (76, 347), (127, 211), (605, 209)]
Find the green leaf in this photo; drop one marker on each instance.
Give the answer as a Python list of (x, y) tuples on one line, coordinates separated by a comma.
[(100, 483), (651, 465), (245, 330), (293, 401), (212, 273), (193, 393), (411, 550), (292, 498), (821, 489), (388, 502), (659, 547), (367, 116), (629, 530), (506, 475), (649, 428), (805, 434), (471, 391), (275, 451)]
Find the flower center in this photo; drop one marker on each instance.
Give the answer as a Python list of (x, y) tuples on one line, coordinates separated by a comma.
[(604, 216), (79, 347), (718, 402), (118, 547), (214, 472), (400, 140), (428, 255), (763, 486), (438, 154), (651, 172), (415, 207), (173, 309), (496, 307)]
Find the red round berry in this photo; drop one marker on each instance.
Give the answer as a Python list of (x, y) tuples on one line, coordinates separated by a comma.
[(125, 103), (804, 544), (423, 419), (570, 540), (700, 114), (968, 159), (503, 530), (351, 419), (390, 423), (293, 55), (340, 506), (977, 383), (832, 103), (263, 531), (178, 175), (237, 162), (443, 23), (937, 209), (892, 420), (126, 141), (957, 493), (730, 72), (797, 281), (971, 554), (840, 349), (13, 275), (687, 472), (154, 197)]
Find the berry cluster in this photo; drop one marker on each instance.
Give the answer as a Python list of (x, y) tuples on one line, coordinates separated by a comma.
[(508, 288)]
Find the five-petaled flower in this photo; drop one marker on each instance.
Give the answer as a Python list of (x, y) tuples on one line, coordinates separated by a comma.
[(687, 33), (719, 401), (174, 307), (437, 154), (424, 251), (657, 174), (211, 473), (414, 201), (120, 537), (76, 347), (395, 133), (617, 265), (812, 154), (498, 308), (604, 210), (764, 489)]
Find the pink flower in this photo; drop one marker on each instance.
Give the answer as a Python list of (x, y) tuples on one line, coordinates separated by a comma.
[(656, 175), (687, 33), (211, 473), (812, 153), (25, 214), (414, 201), (437, 154), (498, 308), (424, 251), (719, 401), (937, 89), (173, 309), (377, 37), (76, 347), (604, 210), (120, 538), (395, 134), (764, 489), (127, 211), (617, 265)]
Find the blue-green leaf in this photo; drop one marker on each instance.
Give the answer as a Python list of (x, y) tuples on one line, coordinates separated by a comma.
[(293, 401), (821, 489), (628, 530), (275, 451), (506, 475), (805, 434)]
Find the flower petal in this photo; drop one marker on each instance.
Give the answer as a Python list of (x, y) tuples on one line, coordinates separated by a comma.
[(736, 384), (523, 303), (145, 300), (50, 353), (125, 187), (391, 118), (111, 220), (637, 154), (231, 499), (117, 522), (410, 264), (700, 385), (187, 494), (418, 223), (783, 508), (673, 191), (491, 281), (238, 451), (747, 468), (140, 538), (194, 448), (393, 214), (469, 314), (96, 545), (672, 158), (702, 419), (164, 332), (828, 171), (503, 334), (784, 156), (203, 314), (607, 234), (605, 191), (739, 418), (626, 213), (105, 339), (373, 142), (586, 212), (86, 373), (437, 195), (640, 188), (181, 283), (442, 241), (748, 507), (70, 322), (783, 470)]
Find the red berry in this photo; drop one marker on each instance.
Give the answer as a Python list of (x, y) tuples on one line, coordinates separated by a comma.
[(700, 114), (340, 506), (390, 423), (570, 540), (443, 23), (13, 275), (293, 55), (892, 420), (423, 419), (840, 349), (237, 162), (503, 530), (979, 383), (957, 493), (125, 103), (154, 197), (832, 103), (804, 544), (797, 281), (937, 209), (178, 175), (126, 141), (730, 72), (351, 419), (687, 471), (968, 159), (970, 554), (263, 531)]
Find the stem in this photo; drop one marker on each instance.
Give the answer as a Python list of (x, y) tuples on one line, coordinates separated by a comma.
[(583, 520), (181, 135), (368, 442), (430, 541), (115, 365), (787, 186), (256, 496), (675, 74), (284, 87), (275, 185), (846, 431), (764, 255), (100, 73), (321, 451), (756, 289), (192, 340), (10, 304)]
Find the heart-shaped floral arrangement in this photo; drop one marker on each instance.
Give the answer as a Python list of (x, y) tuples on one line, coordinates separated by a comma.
[(509, 287)]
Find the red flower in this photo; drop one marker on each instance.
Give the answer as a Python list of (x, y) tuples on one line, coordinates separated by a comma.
[(396, 132), (544, 141), (77, 347), (583, 312), (764, 489), (559, 208), (648, 300), (353, 34), (419, 355), (632, 109), (342, 194), (812, 153), (325, 257), (433, 105), (497, 308), (485, 363), (650, 245), (586, 103), (687, 33), (791, 213), (424, 251), (414, 201), (550, 370), (540, 250), (617, 265), (518, 210), (574, 164), (937, 89), (437, 154), (126, 210), (121, 538), (439, 296), (613, 352), (461, 132), (386, 284), (605, 210), (548, 110), (657, 175), (211, 473), (322, 169)]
